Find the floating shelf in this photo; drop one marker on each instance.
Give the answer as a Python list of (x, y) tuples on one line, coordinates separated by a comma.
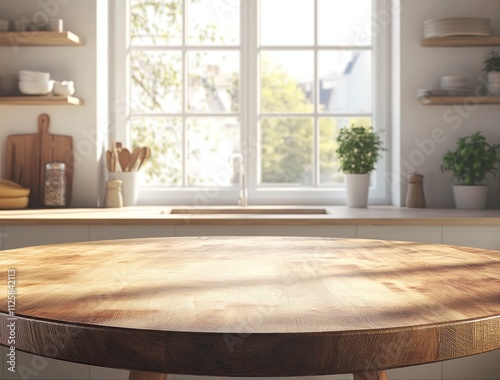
[(18, 39), (453, 100), (461, 41), (41, 101)]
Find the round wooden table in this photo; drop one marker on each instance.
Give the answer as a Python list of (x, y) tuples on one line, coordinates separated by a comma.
[(253, 306)]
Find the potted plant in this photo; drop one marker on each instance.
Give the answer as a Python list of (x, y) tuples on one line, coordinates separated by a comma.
[(358, 151), (492, 68), (473, 158)]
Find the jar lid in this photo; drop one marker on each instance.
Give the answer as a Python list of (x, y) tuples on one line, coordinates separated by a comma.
[(55, 165)]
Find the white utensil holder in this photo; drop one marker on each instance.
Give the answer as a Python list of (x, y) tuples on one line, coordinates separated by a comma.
[(130, 186)]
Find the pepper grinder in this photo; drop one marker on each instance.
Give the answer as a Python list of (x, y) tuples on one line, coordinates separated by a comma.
[(113, 198), (415, 196)]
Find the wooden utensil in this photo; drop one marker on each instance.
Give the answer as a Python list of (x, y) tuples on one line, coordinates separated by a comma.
[(145, 154), (133, 160), (109, 157), (124, 157), (28, 154), (115, 158), (137, 165)]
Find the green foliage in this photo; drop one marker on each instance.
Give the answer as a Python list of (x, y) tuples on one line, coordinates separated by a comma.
[(287, 143), (472, 160), (163, 137), (280, 92), (153, 77), (358, 149), (492, 62), (287, 150)]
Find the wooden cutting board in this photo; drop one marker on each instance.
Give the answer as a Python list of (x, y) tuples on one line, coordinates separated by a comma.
[(28, 154)]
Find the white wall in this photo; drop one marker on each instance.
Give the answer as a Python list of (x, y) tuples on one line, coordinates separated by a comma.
[(81, 64), (421, 68), (414, 67)]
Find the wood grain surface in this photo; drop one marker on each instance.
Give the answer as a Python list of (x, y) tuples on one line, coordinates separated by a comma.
[(256, 306), (49, 100), (461, 100), (28, 154), (39, 38), (336, 216), (461, 41)]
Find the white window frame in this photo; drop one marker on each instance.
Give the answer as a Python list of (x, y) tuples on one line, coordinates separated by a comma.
[(120, 111)]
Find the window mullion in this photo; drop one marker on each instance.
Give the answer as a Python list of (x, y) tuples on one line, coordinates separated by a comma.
[(251, 56), (316, 99), (184, 95)]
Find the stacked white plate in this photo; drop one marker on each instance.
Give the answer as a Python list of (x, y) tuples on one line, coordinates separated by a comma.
[(35, 83), (423, 92), (454, 85), (457, 26)]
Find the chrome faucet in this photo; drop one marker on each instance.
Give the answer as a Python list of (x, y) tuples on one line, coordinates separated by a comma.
[(238, 167)]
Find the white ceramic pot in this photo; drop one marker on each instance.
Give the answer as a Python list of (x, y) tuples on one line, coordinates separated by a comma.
[(493, 89), (494, 78), (130, 186), (470, 197), (357, 186)]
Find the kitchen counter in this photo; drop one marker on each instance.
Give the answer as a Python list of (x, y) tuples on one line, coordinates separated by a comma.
[(333, 216)]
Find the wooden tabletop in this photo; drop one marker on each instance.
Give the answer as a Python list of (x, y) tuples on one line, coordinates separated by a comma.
[(256, 306)]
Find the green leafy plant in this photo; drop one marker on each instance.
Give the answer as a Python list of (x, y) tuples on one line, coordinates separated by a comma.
[(359, 149), (492, 62), (472, 160)]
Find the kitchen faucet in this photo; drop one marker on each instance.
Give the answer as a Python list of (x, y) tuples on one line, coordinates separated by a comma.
[(240, 170)]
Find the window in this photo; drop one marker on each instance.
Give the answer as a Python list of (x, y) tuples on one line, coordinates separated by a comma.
[(272, 79)]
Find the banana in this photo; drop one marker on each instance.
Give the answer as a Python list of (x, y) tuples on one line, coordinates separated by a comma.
[(9, 189)]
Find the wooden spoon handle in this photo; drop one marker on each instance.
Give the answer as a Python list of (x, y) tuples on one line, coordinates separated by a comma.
[(145, 154), (133, 160), (109, 155)]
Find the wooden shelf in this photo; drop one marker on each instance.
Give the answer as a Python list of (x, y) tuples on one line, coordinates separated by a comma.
[(453, 100), (461, 41), (18, 39), (40, 101)]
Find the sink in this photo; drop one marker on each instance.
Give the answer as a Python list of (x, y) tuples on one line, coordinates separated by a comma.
[(250, 210)]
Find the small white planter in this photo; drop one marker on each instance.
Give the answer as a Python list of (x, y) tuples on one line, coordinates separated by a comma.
[(470, 197), (357, 186), (494, 78)]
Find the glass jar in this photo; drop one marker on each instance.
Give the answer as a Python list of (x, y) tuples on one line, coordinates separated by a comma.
[(55, 185)]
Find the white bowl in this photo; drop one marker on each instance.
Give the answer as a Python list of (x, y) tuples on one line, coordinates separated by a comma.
[(36, 88), (64, 88), (36, 76)]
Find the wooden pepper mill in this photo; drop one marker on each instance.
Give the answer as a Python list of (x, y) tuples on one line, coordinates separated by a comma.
[(415, 196)]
